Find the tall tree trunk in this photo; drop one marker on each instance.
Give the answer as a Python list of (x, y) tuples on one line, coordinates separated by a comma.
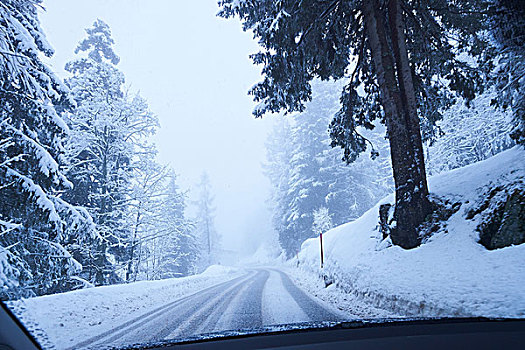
[(387, 44), (101, 265), (133, 242), (418, 188), (103, 201), (139, 262)]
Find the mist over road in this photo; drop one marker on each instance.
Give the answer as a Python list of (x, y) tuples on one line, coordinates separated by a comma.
[(261, 297)]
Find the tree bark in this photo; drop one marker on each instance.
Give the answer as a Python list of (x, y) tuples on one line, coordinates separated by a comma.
[(132, 249), (387, 45)]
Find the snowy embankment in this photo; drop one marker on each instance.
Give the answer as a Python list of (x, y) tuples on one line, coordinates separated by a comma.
[(68, 318), (450, 274)]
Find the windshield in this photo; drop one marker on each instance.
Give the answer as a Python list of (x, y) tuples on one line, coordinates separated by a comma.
[(172, 169)]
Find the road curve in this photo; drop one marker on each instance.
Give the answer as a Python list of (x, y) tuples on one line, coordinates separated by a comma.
[(261, 297)]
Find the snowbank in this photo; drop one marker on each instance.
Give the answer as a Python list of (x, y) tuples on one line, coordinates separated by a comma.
[(68, 318), (449, 275)]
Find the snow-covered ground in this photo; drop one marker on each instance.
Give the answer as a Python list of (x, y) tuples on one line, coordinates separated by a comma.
[(219, 300), (67, 318), (449, 275), (342, 299)]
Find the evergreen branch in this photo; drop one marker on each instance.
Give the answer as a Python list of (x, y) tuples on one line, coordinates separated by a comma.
[(359, 58), (3, 53), (322, 16)]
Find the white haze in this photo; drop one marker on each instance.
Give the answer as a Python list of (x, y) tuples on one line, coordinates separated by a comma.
[(194, 70)]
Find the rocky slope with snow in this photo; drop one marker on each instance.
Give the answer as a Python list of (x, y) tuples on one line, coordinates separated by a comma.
[(451, 273)]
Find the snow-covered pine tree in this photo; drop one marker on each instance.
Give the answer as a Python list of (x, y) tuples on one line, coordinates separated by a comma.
[(307, 173), (507, 26), (179, 250), (398, 52), (207, 236), (349, 190), (279, 152), (146, 207), (35, 221), (322, 221), (108, 130), (308, 188), (94, 151)]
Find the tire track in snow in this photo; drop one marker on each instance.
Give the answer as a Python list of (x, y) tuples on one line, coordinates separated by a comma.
[(124, 329), (202, 307), (279, 307), (217, 316), (312, 307), (245, 309)]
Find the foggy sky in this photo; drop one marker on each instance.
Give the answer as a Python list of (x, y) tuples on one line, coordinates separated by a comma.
[(194, 70)]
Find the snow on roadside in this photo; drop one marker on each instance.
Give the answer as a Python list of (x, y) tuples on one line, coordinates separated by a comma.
[(349, 304), (449, 275), (68, 318)]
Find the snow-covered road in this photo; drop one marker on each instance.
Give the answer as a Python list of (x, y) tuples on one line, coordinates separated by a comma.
[(261, 297)]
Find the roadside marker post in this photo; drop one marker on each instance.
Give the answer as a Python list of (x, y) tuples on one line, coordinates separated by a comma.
[(321, 241)]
